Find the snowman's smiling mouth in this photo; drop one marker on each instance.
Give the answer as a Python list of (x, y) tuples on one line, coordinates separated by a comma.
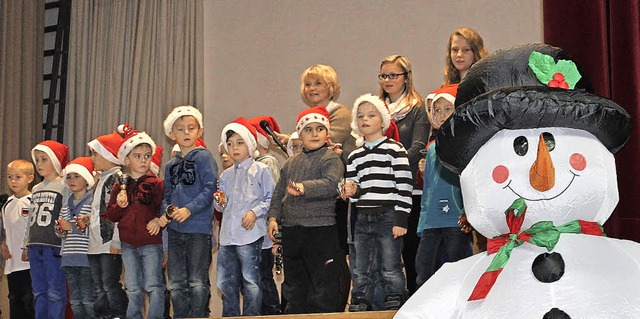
[(541, 199)]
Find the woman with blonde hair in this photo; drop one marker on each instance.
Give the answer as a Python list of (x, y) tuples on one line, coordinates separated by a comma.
[(406, 108)]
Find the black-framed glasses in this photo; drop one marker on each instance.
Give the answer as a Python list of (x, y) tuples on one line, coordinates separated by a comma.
[(390, 76)]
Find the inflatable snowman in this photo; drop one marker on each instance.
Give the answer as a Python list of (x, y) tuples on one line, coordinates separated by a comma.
[(534, 150)]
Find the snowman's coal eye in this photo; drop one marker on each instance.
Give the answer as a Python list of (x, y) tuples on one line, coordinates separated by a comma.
[(549, 140), (520, 145)]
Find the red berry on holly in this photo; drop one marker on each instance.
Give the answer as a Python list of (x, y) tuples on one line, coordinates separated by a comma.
[(564, 85), (558, 77), (553, 84)]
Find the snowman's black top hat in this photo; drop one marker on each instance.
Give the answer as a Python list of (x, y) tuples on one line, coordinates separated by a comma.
[(506, 91)]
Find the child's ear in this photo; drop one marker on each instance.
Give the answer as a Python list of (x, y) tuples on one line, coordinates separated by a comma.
[(172, 136), (200, 132), (30, 178)]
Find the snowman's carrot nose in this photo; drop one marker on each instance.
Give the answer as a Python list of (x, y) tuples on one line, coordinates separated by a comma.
[(542, 175)]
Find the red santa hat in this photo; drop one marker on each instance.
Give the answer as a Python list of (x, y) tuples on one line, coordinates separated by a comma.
[(57, 152), (447, 92), (178, 112), (378, 103), (156, 161), (133, 138), (83, 167), (263, 136), (246, 131), (316, 114), (107, 146)]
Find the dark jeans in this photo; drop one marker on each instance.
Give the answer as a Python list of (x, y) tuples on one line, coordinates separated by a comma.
[(80, 291), (439, 245), (270, 299), (374, 240), (411, 242), (20, 295), (188, 267), (375, 292), (311, 267), (110, 298)]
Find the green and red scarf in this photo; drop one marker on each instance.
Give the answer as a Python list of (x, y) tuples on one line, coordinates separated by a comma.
[(542, 234)]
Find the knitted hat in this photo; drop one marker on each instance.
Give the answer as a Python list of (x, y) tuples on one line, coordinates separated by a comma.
[(107, 146), (57, 152), (375, 101), (316, 114), (246, 131), (83, 167), (293, 136), (178, 112), (522, 88), (263, 136), (133, 138), (156, 160)]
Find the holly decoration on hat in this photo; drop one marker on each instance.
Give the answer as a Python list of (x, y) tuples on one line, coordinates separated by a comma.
[(563, 74)]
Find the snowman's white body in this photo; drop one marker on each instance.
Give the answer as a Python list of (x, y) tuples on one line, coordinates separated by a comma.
[(602, 275)]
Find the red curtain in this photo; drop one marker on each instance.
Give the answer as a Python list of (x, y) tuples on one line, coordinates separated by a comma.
[(604, 38)]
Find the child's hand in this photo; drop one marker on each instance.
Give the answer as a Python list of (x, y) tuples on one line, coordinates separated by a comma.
[(83, 221), (4, 250), (349, 189), (64, 225), (274, 249), (25, 255), (295, 189), (220, 199), (153, 226), (272, 229), (398, 231), (181, 214), (163, 220), (122, 199), (249, 220), (337, 147), (165, 258), (421, 165), (114, 251)]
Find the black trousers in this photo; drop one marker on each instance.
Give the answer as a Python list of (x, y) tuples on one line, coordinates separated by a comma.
[(20, 295)]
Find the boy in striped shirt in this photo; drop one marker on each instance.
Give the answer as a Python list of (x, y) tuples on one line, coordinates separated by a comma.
[(379, 181), (74, 218)]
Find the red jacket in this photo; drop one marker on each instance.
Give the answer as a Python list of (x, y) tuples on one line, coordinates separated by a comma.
[(145, 199)]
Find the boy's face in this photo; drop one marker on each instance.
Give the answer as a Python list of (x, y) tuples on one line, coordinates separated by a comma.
[(226, 160), (314, 136), (44, 166), (185, 131), (99, 162), (238, 149), (139, 160), (442, 109), (369, 119), (76, 182), (18, 180)]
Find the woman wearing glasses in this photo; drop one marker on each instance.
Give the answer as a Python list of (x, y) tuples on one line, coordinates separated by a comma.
[(406, 107)]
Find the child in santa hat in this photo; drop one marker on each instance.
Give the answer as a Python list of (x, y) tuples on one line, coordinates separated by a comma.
[(304, 204), (441, 239), (41, 245), (243, 198), (190, 181), (74, 216), (379, 181), (104, 239), (136, 209)]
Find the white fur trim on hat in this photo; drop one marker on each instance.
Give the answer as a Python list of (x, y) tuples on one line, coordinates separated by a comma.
[(96, 146), (80, 170), (244, 132), (133, 141), (445, 96), (378, 103), (58, 157), (316, 114), (293, 136), (262, 140), (178, 112)]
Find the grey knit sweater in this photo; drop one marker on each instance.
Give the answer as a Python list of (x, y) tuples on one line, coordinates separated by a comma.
[(319, 171)]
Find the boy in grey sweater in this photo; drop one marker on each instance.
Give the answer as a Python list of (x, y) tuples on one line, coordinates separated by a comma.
[(303, 203)]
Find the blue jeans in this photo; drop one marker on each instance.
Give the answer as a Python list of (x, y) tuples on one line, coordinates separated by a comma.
[(188, 267), (375, 293), (374, 237), (47, 281), (143, 273), (240, 266), (439, 245), (110, 298), (80, 291)]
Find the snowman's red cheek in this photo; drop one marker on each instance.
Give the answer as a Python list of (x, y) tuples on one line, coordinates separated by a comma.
[(578, 162), (500, 174)]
